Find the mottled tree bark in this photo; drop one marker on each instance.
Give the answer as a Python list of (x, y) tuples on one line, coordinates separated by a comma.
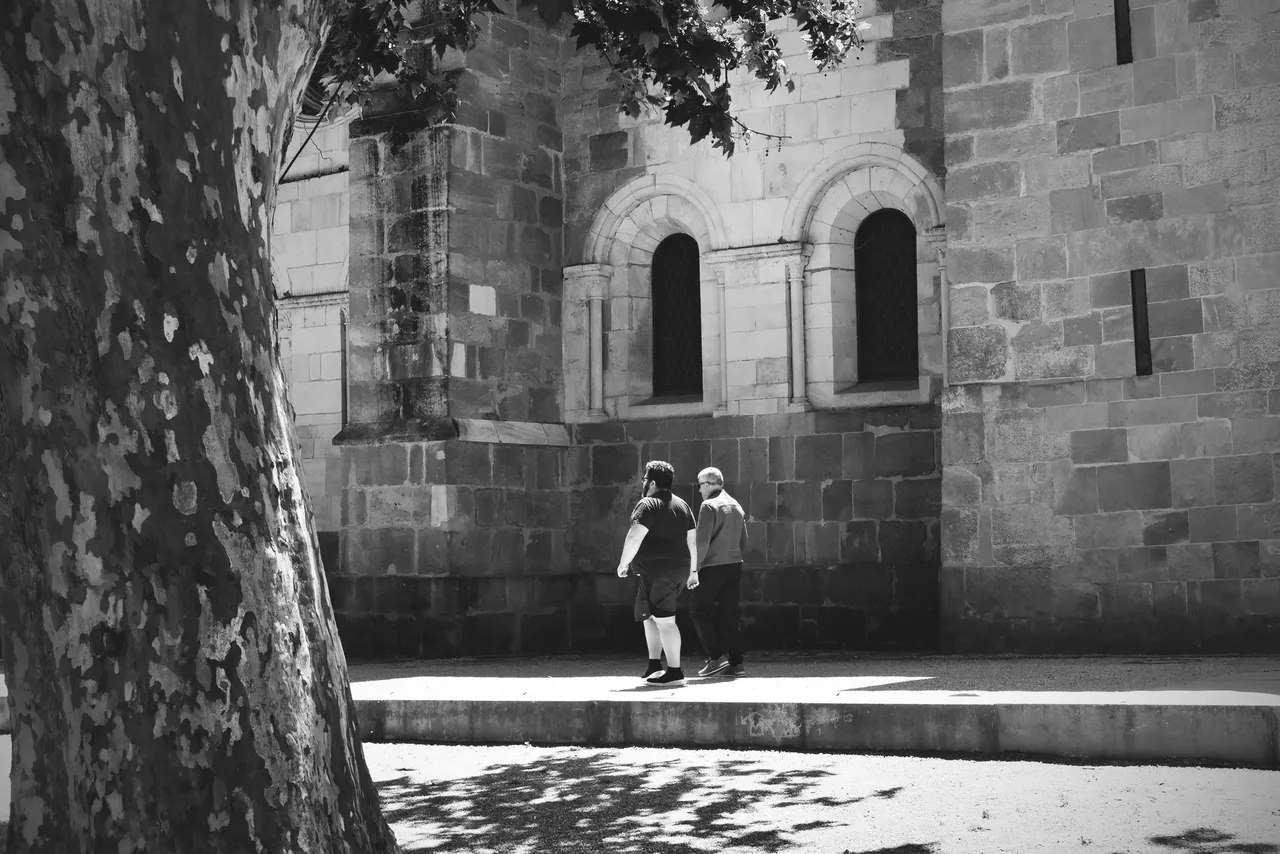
[(175, 676)]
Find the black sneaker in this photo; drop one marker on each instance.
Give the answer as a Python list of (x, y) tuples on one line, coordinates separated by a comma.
[(715, 667), (738, 669), (655, 666), (670, 676)]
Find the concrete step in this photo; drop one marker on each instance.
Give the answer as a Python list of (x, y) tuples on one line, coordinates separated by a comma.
[(1160, 709), (828, 714)]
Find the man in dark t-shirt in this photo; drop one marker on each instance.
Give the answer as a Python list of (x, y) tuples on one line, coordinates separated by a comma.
[(661, 545)]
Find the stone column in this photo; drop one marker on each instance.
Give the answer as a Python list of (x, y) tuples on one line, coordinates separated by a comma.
[(722, 277), (938, 243), (585, 285), (796, 273), (595, 346)]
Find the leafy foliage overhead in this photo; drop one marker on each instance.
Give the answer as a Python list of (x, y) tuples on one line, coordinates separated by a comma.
[(675, 56)]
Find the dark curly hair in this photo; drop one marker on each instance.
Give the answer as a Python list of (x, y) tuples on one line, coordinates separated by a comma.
[(660, 473)]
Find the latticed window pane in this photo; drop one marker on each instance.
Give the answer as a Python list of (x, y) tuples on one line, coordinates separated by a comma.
[(884, 258), (677, 317)]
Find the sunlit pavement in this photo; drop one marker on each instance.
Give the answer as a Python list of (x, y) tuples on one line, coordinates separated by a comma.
[(667, 801)]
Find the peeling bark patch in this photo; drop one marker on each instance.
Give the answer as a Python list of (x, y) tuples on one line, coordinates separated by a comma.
[(166, 402), (9, 187), (111, 298), (185, 498), (61, 494), (170, 327), (88, 564), (8, 102)]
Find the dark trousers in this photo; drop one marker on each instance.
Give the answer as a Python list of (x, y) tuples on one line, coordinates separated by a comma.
[(713, 604)]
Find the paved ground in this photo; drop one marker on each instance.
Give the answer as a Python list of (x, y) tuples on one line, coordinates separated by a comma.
[(656, 801), (776, 674)]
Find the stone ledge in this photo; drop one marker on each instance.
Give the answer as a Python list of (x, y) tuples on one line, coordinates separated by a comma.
[(511, 432), (1099, 727), (292, 301), (459, 429), (822, 395), (385, 432), (646, 410)]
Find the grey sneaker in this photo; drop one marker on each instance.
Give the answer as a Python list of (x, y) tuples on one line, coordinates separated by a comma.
[(738, 669), (715, 666)]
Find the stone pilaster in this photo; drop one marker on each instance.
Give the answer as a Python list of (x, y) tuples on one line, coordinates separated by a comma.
[(585, 289)]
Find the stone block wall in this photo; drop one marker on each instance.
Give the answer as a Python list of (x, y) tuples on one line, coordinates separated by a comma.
[(309, 234), (842, 514), (1087, 507), (311, 332), (457, 546), (398, 322), (506, 218), (455, 308), (507, 544)]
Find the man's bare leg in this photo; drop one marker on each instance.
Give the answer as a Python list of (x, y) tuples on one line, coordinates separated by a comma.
[(654, 640), (670, 639)]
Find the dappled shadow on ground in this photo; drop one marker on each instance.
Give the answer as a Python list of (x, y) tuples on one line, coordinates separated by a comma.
[(1206, 840), (576, 803)]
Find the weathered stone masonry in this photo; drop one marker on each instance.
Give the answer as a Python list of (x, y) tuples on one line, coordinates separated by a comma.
[(1029, 493), (1087, 508)]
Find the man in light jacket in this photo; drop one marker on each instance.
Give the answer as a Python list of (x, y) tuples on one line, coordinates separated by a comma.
[(721, 542)]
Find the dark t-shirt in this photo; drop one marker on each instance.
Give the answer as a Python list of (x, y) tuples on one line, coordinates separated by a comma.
[(665, 547)]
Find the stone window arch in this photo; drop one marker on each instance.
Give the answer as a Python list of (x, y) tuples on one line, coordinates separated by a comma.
[(609, 331), (884, 252), (882, 184), (676, 318)]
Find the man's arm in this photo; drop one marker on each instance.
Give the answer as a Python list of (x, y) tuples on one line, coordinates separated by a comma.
[(630, 546), (692, 539), (706, 524)]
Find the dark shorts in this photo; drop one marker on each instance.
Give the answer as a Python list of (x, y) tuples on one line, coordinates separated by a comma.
[(657, 593)]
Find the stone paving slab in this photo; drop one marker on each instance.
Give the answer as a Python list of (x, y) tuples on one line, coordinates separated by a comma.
[(1219, 710)]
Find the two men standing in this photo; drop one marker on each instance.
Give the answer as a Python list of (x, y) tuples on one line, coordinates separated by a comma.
[(670, 552)]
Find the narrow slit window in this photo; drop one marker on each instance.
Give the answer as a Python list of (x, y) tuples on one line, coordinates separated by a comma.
[(1124, 33), (1141, 328), (677, 318)]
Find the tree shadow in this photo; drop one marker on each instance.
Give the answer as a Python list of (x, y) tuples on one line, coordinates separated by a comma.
[(1207, 840), (575, 803)]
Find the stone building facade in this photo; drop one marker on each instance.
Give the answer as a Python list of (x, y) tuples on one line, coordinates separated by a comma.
[(903, 320), (1092, 501)]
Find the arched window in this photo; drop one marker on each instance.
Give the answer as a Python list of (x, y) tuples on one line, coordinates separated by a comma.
[(677, 318), (884, 261)]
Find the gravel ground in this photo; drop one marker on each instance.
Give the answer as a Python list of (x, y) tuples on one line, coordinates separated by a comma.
[(531, 800), (949, 673)]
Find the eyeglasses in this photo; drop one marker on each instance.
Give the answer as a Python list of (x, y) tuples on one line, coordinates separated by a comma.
[(705, 483)]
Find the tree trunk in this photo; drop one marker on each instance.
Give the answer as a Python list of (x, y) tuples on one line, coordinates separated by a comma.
[(175, 677)]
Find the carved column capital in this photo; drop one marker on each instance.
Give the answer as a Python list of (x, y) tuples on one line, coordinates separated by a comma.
[(587, 281)]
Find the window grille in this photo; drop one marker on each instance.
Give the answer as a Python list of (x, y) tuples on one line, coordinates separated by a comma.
[(677, 318), (884, 258)]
